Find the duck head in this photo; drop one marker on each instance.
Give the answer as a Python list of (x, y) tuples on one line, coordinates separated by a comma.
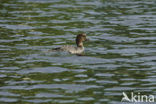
[(80, 39)]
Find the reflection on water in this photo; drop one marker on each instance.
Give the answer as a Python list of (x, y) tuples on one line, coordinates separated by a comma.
[(120, 56)]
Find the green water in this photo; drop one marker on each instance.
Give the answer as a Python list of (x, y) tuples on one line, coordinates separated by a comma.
[(120, 56)]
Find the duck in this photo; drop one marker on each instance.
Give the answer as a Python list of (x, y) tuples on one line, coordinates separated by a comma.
[(78, 49)]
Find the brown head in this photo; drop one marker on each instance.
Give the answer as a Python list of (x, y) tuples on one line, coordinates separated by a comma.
[(80, 39)]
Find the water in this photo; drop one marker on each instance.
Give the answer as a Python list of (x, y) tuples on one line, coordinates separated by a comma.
[(120, 56)]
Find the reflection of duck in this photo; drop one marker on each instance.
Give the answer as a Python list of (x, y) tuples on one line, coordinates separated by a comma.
[(74, 50)]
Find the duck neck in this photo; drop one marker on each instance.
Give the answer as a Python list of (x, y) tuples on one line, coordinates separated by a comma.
[(80, 44)]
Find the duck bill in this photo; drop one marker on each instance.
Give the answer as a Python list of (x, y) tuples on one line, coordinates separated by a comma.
[(87, 39)]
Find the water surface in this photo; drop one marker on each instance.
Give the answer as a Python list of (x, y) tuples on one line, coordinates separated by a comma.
[(120, 56)]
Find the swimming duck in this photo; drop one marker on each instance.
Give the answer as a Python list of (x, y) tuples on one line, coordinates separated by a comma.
[(72, 49)]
